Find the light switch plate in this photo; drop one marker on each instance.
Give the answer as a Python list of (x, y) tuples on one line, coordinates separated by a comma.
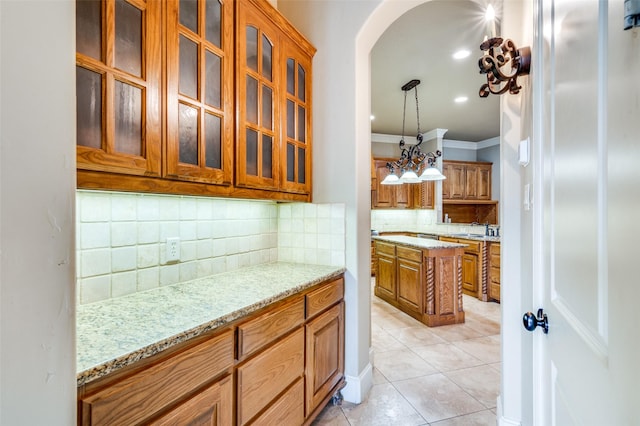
[(523, 152)]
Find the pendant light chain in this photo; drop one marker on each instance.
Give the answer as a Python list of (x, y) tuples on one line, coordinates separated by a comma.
[(417, 108), (404, 114)]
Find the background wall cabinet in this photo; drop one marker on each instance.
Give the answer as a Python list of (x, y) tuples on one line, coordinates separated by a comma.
[(412, 196), (466, 180), (466, 193), (166, 88)]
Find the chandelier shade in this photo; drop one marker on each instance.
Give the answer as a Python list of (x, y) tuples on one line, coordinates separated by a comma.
[(412, 160)]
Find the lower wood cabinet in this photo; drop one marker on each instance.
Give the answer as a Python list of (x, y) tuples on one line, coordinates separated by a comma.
[(474, 267), (269, 374), (424, 283), (494, 271), (279, 365), (212, 406)]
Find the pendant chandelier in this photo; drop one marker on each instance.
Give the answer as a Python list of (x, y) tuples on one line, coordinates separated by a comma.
[(412, 160)]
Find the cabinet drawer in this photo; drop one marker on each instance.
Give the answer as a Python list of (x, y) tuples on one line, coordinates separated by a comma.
[(212, 406), (257, 333), (472, 246), (409, 253), (322, 298), (287, 410), (385, 248), (268, 374), (128, 401), (449, 239)]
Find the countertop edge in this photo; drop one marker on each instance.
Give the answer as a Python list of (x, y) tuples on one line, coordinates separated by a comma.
[(101, 370)]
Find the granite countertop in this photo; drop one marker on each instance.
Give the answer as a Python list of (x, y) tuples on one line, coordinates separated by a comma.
[(421, 243), (466, 236), (117, 332)]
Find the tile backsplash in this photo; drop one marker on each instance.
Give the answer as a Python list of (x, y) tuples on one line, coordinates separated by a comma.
[(121, 238), (402, 219)]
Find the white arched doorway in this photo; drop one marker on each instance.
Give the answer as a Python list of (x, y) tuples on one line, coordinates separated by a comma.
[(344, 33)]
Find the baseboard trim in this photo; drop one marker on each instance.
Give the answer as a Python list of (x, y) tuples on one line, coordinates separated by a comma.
[(500, 419), (358, 386)]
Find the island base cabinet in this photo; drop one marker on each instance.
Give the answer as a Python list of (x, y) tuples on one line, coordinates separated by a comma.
[(426, 284), (443, 289)]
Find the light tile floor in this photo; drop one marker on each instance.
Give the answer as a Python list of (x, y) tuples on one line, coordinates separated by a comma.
[(440, 376)]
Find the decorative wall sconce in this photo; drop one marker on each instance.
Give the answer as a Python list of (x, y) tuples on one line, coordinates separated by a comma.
[(412, 159), (503, 63)]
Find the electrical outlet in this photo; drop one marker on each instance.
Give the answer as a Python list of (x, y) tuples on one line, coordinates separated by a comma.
[(173, 249)]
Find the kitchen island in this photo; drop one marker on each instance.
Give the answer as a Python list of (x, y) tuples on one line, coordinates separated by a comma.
[(422, 277)]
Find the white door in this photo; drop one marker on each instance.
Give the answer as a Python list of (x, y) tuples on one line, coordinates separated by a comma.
[(587, 368)]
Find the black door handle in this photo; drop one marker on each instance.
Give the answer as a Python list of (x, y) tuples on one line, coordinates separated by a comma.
[(531, 322)]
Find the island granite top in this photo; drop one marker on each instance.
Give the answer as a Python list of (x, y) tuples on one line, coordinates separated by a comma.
[(117, 332), (421, 243)]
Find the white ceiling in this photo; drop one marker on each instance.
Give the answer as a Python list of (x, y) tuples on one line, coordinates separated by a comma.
[(420, 45)]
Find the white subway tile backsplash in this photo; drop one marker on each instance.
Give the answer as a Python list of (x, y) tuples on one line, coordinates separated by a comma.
[(169, 274), (123, 233), (95, 262), (95, 289), (123, 283), (124, 259), (121, 238), (148, 232), (148, 207), (148, 255), (148, 278), (95, 207), (95, 235)]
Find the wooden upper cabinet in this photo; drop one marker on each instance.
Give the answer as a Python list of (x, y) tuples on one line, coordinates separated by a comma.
[(296, 111), (466, 180), (200, 91), (258, 53), (118, 77), (273, 89)]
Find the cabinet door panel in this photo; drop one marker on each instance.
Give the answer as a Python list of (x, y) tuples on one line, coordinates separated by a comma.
[(268, 374), (325, 355), (118, 81), (258, 53), (199, 146), (386, 277), (470, 274), (410, 285), (296, 109)]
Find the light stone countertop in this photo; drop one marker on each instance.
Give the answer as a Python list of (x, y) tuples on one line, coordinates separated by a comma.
[(466, 236), (117, 332), (421, 243)]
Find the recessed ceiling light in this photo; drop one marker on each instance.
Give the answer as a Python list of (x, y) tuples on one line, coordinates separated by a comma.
[(461, 99), (461, 54)]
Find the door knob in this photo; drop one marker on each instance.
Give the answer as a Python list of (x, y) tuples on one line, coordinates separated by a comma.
[(531, 322)]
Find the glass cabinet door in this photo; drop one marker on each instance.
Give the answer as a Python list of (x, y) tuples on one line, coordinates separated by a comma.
[(296, 175), (200, 90), (118, 75), (258, 117)]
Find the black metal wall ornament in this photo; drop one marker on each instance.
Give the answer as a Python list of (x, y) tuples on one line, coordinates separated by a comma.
[(503, 63)]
